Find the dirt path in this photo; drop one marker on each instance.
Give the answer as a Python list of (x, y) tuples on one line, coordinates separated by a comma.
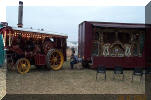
[(68, 81), (2, 82)]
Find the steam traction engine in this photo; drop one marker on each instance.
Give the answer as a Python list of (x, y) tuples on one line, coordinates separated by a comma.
[(26, 46)]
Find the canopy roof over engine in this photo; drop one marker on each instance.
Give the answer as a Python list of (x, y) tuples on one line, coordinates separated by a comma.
[(37, 33)]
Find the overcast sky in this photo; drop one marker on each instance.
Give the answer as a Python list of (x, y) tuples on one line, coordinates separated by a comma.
[(65, 19)]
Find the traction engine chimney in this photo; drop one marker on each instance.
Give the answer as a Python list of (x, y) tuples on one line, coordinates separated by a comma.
[(20, 14)]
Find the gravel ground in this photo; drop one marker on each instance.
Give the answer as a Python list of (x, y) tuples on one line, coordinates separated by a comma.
[(66, 81), (2, 82)]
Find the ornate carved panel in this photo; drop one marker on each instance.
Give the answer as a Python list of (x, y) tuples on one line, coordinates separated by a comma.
[(118, 42), (117, 49), (106, 49)]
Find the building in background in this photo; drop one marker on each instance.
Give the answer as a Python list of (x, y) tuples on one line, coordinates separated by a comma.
[(70, 45)]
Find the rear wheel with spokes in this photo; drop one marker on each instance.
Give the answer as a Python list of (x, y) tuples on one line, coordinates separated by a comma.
[(23, 65), (55, 59)]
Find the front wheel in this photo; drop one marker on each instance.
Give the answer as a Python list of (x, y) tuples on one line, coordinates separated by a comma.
[(23, 65), (55, 59)]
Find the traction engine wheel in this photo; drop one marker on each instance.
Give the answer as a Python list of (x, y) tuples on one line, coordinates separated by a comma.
[(55, 59), (23, 65), (10, 64), (47, 46)]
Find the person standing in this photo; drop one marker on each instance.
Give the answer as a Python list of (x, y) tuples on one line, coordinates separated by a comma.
[(73, 59)]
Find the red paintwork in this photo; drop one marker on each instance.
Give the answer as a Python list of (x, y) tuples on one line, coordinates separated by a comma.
[(85, 46), (126, 62), (40, 59)]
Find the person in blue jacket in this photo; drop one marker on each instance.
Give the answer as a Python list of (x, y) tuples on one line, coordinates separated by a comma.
[(1, 51), (74, 59)]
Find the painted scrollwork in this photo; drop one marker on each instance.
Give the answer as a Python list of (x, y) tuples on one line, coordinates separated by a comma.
[(106, 49), (127, 50), (132, 46), (117, 49)]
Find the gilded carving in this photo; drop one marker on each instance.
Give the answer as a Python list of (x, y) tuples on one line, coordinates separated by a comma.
[(118, 48), (106, 49)]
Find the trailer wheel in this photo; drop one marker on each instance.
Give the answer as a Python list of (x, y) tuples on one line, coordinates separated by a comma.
[(55, 59), (85, 64), (23, 65)]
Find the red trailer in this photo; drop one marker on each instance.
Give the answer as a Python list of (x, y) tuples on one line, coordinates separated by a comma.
[(114, 44)]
